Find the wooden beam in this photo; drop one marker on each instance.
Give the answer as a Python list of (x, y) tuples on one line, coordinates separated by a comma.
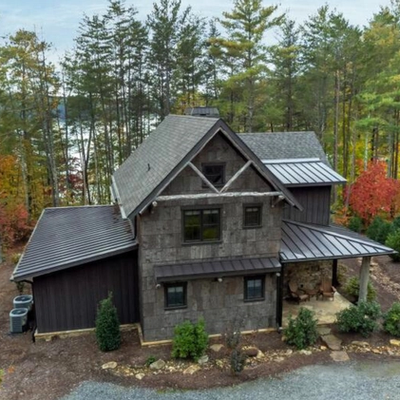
[(364, 277), (277, 200), (217, 195), (234, 177), (203, 178)]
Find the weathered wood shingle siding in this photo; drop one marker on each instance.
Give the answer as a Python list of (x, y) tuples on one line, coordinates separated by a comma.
[(316, 202), (68, 299)]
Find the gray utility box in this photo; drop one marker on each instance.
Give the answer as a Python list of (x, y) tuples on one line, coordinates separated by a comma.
[(23, 301), (18, 319)]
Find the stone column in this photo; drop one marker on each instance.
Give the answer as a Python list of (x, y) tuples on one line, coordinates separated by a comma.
[(364, 277)]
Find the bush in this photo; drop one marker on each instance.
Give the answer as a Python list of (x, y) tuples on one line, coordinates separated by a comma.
[(379, 230), (355, 224), (352, 288), (237, 360), (150, 360), (360, 319), (190, 340), (302, 331), (393, 241), (108, 334), (391, 320)]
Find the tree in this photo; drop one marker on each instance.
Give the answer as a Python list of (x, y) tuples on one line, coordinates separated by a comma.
[(373, 192)]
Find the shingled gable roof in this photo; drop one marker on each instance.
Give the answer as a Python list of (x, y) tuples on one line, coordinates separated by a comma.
[(168, 149), (65, 237), (285, 145)]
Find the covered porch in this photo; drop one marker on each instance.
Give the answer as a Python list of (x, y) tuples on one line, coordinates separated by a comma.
[(309, 255)]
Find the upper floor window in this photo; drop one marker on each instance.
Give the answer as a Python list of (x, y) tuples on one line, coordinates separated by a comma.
[(201, 225), (215, 173), (252, 216)]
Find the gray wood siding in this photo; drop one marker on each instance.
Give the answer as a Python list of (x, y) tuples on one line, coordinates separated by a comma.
[(316, 202), (68, 299)]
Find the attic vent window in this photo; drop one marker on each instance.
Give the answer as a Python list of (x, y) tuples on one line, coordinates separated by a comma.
[(215, 173)]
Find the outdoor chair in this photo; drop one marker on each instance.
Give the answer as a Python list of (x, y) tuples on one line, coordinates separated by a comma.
[(327, 290), (296, 294)]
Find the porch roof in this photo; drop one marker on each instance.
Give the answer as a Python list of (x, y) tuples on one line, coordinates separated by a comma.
[(306, 242), (213, 268)]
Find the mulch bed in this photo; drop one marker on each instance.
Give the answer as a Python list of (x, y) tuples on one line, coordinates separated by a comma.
[(48, 370)]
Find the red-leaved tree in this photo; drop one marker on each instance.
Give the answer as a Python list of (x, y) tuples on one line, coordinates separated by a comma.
[(373, 193)]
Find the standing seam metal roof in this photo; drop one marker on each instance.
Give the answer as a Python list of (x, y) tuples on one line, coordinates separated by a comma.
[(299, 172), (70, 236), (304, 242)]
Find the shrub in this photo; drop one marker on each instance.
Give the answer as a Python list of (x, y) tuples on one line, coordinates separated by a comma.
[(190, 340), (391, 320), (150, 361), (108, 334), (355, 224), (360, 319), (379, 230), (302, 330), (393, 241), (237, 360), (353, 288)]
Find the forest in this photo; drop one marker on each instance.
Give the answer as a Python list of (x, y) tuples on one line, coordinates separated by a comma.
[(65, 128)]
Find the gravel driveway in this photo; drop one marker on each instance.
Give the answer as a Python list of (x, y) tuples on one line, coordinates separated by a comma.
[(352, 381)]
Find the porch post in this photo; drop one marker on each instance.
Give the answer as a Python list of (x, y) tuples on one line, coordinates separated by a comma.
[(364, 277), (279, 298), (335, 281)]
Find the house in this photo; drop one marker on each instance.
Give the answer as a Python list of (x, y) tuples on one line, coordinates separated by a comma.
[(207, 223)]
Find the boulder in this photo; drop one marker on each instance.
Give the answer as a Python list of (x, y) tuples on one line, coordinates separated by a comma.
[(216, 347), (156, 365), (191, 370), (140, 376), (395, 342), (203, 360), (339, 356), (109, 365), (332, 342), (251, 352)]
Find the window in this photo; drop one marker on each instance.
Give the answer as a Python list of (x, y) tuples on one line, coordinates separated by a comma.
[(254, 288), (252, 216), (175, 295), (215, 173), (201, 225)]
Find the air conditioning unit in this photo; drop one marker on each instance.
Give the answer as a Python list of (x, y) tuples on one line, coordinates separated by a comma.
[(23, 301), (18, 319)]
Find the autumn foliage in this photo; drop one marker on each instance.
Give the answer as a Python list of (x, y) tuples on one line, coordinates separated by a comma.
[(373, 193)]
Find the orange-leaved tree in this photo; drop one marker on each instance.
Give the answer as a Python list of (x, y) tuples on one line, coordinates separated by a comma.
[(373, 193)]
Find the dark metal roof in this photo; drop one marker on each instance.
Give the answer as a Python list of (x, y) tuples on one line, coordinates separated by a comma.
[(285, 145), (305, 242), (68, 236), (167, 150), (221, 268), (300, 172), (203, 111)]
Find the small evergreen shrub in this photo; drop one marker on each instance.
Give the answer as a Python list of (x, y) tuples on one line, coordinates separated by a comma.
[(237, 360), (108, 334), (379, 230), (359, 319), (391, 320), (393, 241), (355, 224), (302, 330), (150, 361), (352, 288), (190, 340)]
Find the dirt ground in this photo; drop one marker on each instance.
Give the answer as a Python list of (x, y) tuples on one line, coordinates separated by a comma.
[(49, 370)]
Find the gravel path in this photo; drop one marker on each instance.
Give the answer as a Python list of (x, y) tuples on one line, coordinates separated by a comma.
[(353, 381)]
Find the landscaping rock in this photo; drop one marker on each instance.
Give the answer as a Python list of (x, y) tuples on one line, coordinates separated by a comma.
[(279, 359), (289, 352), (156, 365), (109, 365), (191, 370), (323, 348), (140, 376), (332, 342), (260, 355), (216, 347), (305, 352), (339, 356), (203, 360), (323, 330), (251, 352), (395, 342)]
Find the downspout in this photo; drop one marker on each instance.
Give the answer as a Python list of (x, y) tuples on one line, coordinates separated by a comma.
[(279, 298)]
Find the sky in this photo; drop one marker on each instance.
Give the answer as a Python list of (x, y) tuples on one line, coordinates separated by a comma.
[(57, 21)]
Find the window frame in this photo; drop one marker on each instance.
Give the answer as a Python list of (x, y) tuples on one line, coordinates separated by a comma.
[(201, 210), (246, 297), (252, 205), (214, 164), (167, 306)]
